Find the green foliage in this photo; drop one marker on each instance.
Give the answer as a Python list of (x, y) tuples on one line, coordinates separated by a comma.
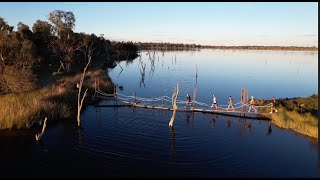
[(301, 105), (298, 114), (42, 30), (4, 27), (29, 60), (303, 123), (62, 21), (49, 47), (17, 60), (17, 80)]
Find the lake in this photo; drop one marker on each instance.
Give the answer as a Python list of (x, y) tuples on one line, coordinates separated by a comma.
[(128, 142)]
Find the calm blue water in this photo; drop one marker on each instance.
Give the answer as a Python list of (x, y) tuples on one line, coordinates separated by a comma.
[(223, 73), (127, 142)]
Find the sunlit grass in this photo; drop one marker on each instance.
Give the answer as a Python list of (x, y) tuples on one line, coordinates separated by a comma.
[(54, 101), (23, 110), (303, 123), (302, 119)]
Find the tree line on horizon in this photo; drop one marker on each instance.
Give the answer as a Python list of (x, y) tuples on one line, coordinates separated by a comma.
[(51, 46), (181, 46)]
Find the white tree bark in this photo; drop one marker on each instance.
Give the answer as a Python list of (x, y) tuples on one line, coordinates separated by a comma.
[(39, 135), (174, 104), (80, 100)]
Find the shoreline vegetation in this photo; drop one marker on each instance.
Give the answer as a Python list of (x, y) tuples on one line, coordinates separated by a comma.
[(57, 101), (299, 114), (40, 69), (181, 46)]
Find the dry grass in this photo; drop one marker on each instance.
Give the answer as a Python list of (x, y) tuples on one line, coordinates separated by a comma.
[(55, 101), (291, 115), (302, 123), (23, 110)]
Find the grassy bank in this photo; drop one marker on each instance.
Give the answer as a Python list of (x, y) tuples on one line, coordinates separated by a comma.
[(298, 114), (57, 101)]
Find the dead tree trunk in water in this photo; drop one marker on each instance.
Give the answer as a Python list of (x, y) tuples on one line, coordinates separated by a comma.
[(39, 135), (80, 102), (195, 90), (174, 104)]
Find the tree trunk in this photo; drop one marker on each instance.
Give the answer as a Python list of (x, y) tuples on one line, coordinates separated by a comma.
[(174, 104), (39, 135), (80, 102)]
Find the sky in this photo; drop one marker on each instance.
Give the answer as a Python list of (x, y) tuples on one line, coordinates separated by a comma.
[(205, 23)]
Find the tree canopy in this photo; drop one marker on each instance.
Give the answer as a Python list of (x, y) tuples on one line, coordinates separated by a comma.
[(51, 46)]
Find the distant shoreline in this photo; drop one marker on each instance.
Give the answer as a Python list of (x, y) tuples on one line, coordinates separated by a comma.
[(172, 46), (281, 48)]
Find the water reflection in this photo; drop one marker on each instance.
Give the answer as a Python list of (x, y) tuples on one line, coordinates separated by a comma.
[(98, 114), (142, 72), (244, 125), (120, 73), (173, 142), (175, 59), (193, 120), (228, 122), (249, 126), (214, 117), (251, 65), (43, 145), (228, 77), (188, 114), (152, 68), (269, 130), (80, 136)]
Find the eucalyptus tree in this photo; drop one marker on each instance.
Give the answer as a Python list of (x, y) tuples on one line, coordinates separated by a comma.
[(63, 24), (17, 57), (42, 35)]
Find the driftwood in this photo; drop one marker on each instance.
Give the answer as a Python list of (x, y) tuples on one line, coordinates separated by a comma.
[(174, 104), (39, 135)]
